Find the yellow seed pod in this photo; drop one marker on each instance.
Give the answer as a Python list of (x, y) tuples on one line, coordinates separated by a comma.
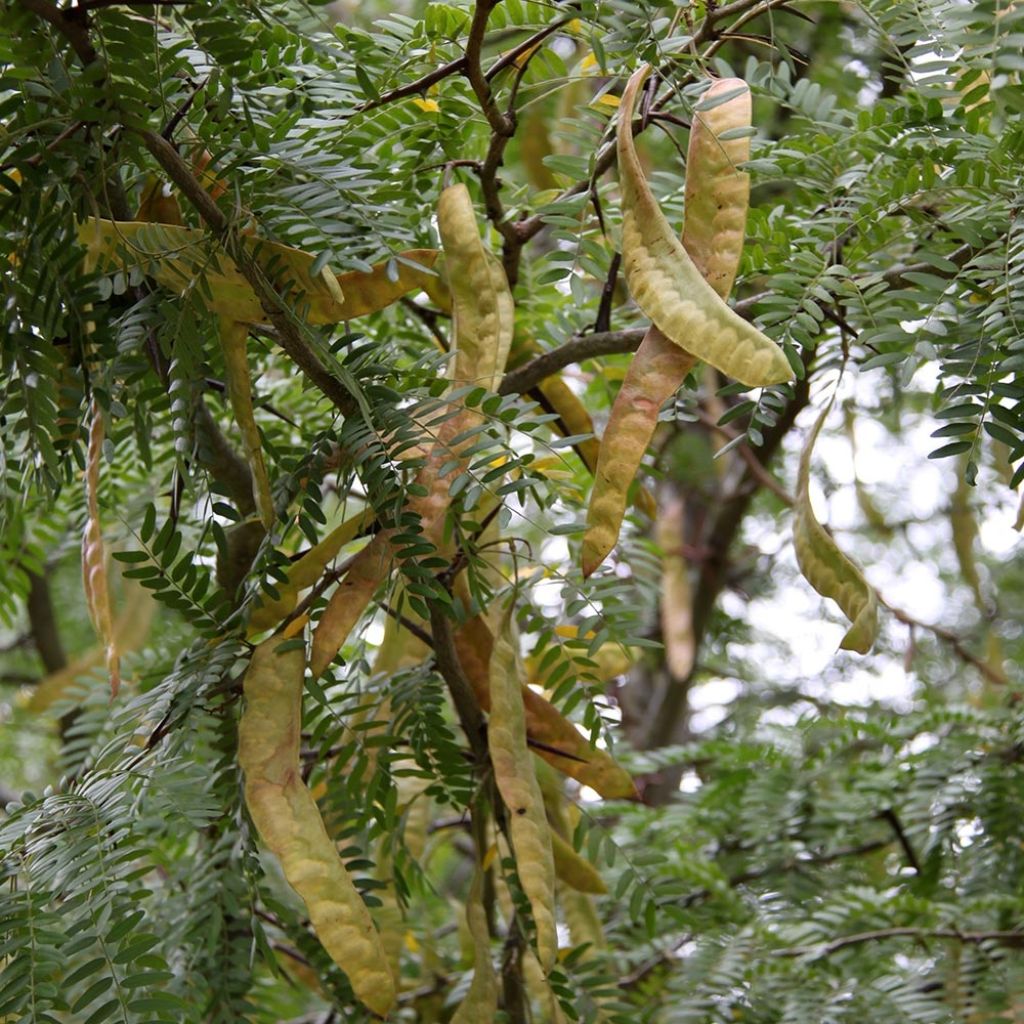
[(717, 198), (131, 628), (304, 572), (520, 791), (582, 918), (369, 569), (480, 1005), (557, 740), (574, 870), (825, 567), (289, 823), (482, 306), (94, 558), (180, 258), (676, 597), (233, 337), (964, 529), (669, 288)]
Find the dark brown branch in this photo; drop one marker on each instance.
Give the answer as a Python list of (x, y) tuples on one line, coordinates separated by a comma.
[(71, 22), (277, 312), (507, 59), (421, 85), (473, 70), (43, 623), (450, 667)]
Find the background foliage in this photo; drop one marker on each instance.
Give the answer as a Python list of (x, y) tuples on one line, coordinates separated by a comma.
[(822, 837)]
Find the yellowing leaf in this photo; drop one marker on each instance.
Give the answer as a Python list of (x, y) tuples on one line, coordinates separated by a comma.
[(188, 261), (670, 289), (826, 568), (607, 100), (427, 106)]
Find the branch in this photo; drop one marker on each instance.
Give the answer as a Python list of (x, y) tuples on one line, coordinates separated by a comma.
[(500, 124), (1012, 939), (71, 22), (42, 623), (990, 672), (276, 309)]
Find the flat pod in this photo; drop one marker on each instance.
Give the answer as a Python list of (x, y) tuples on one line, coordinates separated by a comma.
[(669, 288), (482, 308), (289, 823), (95, 581), (520, 791), (825, 567), (555, 738), (184, 260), (480, 1005), (233, 337), (717, 198)]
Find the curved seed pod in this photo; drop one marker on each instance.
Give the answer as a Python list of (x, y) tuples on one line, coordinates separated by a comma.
[(517, 783), (289, 823), (482, 307), (669, 288), (158, 204), (575, 871), (825, 567), (369, 569), (654, 375), (180, 258), (233, 336), (574, 416), (305, 571), (131, 628), (480, 1005), (676, 598), (556, 739), (717, 197), (94, 558)]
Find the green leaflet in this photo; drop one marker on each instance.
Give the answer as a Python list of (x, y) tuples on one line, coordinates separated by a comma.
[(669, 288), (825, 567)]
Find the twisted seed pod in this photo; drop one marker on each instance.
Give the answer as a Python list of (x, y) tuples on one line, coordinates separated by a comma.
[(233, 336), (480, 1005), (669, 288), (289, 823), (180, 259), (369, 569), (717, 197), (94, 559), (825, 567), (555, 738), (482, 307), (517, 783), (676, 598), (306, 571)]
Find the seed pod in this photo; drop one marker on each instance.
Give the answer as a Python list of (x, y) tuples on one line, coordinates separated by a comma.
[(555, 738), (94, 558), (825, 567), (717, 197), (369, 569), (482, 307), (669, 288), (676, 598), (181, 259), (575, 871), (480, 1005), (233, 337), (289, 823), (517, 783), (306, 571), (964, 529)]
